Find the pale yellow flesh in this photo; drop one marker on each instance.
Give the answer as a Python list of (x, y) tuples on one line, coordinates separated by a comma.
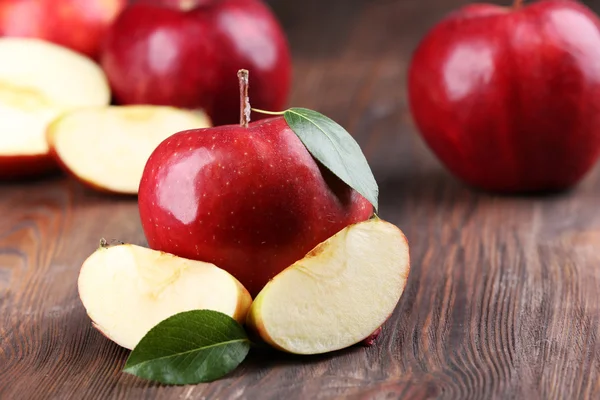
[(38, 82), (338, 294), (128, 289), (109, 146)]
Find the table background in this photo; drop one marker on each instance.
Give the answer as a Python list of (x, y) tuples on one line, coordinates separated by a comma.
[(503, 296)]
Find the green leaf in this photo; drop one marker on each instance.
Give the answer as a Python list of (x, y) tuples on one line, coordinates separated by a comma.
[(335, 148), (189, 348)]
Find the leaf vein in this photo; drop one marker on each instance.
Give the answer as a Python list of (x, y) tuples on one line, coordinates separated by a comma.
[(216, 345)]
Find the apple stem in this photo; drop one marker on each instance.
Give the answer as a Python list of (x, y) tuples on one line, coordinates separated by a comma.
[(244, 99), (517, 4)]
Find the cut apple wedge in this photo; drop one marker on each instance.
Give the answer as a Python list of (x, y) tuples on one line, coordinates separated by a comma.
[(127, 289), (336, 296), (107, 147), (38, 82)]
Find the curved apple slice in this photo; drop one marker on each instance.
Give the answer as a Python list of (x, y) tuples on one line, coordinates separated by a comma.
[(108, 147), (336, 296), (38, 82), (127, 289)]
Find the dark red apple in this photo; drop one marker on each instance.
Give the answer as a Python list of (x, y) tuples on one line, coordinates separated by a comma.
[(77, 24), (184, 52), (509, 98), (249, 198)]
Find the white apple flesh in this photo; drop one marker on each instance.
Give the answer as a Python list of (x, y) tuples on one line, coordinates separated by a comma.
[(336, 296), (38, 82), (107, 148), (127, 289)]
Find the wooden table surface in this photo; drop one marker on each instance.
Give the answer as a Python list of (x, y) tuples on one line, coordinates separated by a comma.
[(502, 300)]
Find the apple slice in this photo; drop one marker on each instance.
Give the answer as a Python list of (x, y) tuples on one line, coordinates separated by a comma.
[(128, 289), (108, 147), (336, 296), (38, 82)]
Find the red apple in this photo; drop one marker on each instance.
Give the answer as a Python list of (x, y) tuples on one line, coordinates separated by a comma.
[(249, 198), (509, 98), (77, 24), (183, 53)]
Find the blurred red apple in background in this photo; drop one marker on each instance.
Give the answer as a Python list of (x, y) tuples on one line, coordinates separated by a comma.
[(509, 99), (184, 52), (77, 24)]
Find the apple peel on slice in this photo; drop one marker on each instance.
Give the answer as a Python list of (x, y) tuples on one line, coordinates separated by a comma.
[(338, 294), (128, 289), (106, 148), (38, 82)]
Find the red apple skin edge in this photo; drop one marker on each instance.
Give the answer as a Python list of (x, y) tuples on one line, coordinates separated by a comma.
[(509, 98), (184, 53), (77, 24), (250, 200), (26, 166), (370, 340)]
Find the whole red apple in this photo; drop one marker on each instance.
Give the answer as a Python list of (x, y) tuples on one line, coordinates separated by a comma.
[(183, 53), (509, 98), (77, 24), (249, 198)]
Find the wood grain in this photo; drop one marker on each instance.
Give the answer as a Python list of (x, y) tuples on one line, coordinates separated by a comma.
[(503, 300)]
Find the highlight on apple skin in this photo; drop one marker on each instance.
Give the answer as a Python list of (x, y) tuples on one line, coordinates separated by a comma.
[(339, 295), (127, 289), (32, 97), (508, 98)]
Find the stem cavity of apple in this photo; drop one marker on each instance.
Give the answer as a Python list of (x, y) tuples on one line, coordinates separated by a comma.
[(244, 99)]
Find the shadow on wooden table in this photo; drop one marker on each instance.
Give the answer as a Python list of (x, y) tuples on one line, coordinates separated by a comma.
[(261, 358), (435, 186)]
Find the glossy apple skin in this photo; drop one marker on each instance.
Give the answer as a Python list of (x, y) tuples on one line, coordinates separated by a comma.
[(77, 24), (509, 100), (158, 53), (250, 200)]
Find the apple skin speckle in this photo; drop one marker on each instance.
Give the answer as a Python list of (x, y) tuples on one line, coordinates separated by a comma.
[(220, 200)]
